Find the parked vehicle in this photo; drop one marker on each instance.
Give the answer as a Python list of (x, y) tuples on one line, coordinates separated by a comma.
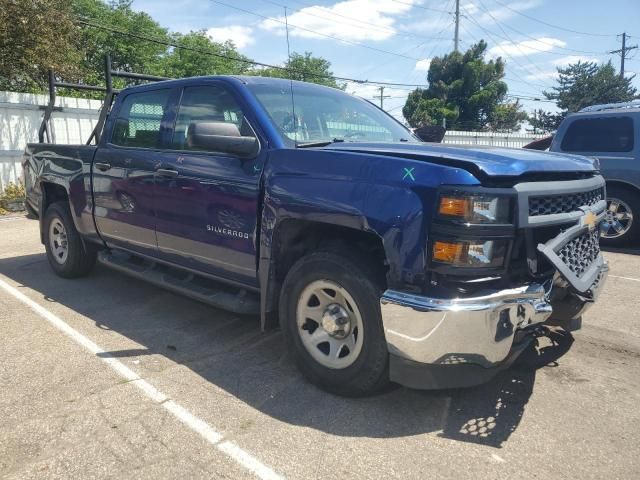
[(610, 133), (381, 257)]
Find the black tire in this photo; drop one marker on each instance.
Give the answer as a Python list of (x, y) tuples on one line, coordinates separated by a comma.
[(369, 372), (79, 260), (632, 199)]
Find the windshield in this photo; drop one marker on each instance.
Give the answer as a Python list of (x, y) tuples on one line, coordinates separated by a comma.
[(326, 115)]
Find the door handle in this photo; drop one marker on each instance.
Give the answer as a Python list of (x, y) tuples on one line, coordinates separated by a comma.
[(103, 167), (167, 172)]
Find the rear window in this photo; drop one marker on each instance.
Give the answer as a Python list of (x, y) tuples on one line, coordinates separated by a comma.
[(605, 134), (139, 119)]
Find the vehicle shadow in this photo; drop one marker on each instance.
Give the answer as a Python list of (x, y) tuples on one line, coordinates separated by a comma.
[(231, 354)]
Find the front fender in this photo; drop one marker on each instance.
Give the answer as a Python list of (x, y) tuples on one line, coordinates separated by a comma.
[(393, 199)]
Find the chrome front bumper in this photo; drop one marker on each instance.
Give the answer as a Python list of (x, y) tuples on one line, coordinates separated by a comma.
[(478, 330)]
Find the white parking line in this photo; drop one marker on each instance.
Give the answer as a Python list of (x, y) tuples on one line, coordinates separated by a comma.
[(625, 278), (196, 424)]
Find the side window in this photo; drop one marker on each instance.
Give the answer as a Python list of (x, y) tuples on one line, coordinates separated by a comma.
[(605, 134), (139, 119), (208, 105)]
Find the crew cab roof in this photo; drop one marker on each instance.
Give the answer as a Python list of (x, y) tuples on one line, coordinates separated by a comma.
[(238, 79)]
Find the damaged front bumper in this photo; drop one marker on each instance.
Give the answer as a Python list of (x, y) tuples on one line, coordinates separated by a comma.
[(439, 343)]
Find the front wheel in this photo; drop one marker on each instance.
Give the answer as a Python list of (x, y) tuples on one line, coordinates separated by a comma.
[(621, 225), (66, 253), (330, 315)]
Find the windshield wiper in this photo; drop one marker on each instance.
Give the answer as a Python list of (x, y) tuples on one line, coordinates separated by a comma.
[(319, 144)]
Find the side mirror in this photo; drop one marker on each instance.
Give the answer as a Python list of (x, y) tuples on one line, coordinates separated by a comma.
[(220, 137)]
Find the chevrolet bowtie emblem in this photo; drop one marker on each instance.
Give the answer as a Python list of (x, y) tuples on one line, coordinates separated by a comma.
[(590, 220)]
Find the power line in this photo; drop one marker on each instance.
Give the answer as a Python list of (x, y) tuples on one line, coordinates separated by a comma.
[(382, 96), (561, 54), (314, 31), (441, 18), (431, 9), (521, 80), (412, 48), (240, 59), (543, 41), (514, 43), (391, 85), (326, 10), (591, 34), (539, 40), (623, 52)]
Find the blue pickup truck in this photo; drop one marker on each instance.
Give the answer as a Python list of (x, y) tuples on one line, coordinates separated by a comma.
[(380, 257)]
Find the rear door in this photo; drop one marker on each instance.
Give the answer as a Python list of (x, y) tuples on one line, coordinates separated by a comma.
[(612, 137), (125, 167), (207, 215)]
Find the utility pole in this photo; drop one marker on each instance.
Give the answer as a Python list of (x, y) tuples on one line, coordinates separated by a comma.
[(623, 52), (456, 38), (382, 97)]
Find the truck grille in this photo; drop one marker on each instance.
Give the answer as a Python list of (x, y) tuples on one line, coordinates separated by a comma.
[(564, 203), (581, 252)]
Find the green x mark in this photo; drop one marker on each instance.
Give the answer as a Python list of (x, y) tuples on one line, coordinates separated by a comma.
[(408, 172)]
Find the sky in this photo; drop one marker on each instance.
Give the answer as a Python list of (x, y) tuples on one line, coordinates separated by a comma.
[(394, 40)]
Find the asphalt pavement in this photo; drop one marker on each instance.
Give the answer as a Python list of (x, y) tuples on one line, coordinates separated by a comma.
[(109, 377)]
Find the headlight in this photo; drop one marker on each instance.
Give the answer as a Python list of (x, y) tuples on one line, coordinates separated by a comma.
[(470, 254), (472, 208)]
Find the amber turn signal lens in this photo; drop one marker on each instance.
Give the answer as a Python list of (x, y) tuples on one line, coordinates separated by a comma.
[(457, 207), (448, 252)]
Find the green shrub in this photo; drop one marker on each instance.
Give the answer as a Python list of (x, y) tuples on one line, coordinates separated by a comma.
[(11, 192)]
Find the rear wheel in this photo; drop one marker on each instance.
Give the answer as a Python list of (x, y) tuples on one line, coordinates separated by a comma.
[(66, 253), (621, 225), (330, 315)]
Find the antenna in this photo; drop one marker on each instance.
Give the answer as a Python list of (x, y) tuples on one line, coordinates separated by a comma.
[(293, 106)]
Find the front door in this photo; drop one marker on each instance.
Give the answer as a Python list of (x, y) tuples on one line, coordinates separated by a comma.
[(124, 172), (207, 214)]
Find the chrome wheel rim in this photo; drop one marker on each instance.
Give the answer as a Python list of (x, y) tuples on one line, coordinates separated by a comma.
[(329, 324), (617, 220), (58, 241)]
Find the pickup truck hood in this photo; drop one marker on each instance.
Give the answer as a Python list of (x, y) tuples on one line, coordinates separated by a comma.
[(487, 161)]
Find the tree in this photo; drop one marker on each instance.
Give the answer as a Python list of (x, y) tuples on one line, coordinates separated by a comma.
[(190, 62), (73, 37), (507, 117), (35, 36), (545, 122), (420, 110), (304, 67), (129, 53), (466, 90), (588, 83)]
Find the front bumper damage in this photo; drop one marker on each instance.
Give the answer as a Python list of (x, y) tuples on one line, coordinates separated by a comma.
[(437, 343), (450, 343)]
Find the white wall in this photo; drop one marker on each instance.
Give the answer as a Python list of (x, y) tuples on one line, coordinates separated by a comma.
[(20, 116), (511, 140)]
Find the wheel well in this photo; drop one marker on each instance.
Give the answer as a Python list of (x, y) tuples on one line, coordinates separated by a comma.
[(53, 193), (295, 238), (623, 185)]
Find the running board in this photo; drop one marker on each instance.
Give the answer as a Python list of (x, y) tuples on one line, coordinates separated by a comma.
[(216, 294)]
